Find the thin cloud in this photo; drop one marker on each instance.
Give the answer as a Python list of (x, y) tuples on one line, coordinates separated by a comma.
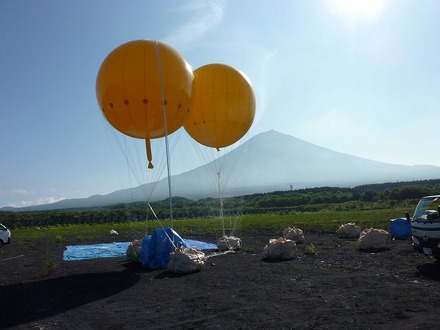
[(204, 16), (16, 191), (262, 81), (46, 200)]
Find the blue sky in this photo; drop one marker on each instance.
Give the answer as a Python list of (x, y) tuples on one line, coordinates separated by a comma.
[(360, 77)]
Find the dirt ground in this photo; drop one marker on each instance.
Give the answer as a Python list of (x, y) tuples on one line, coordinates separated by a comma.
[(339, 288)]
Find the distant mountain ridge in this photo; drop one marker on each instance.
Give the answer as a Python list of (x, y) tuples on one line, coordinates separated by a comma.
[(267, 162)]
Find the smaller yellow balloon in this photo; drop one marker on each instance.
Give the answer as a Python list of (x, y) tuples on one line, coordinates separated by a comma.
[(222, 106)]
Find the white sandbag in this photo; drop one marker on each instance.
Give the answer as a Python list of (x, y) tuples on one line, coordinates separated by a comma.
[(134, 250), (294, 234), (229, 243), (280, 248), (374, 239), (349, 230), (186, 260)]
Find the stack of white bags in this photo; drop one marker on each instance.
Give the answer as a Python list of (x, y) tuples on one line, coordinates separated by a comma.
[(186, 261), (294, 234), (229, 243), (280, 248), (374, 239), (349, 230)]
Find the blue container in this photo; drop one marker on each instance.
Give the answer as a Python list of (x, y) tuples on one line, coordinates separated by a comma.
[(400, 228)]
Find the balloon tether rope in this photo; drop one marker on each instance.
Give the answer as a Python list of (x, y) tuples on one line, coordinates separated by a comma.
[(222, 218), (159, 65)]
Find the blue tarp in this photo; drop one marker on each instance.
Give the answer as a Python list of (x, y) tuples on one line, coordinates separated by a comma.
[(156, 248), (118, 249), (200, 245), (400, 228), (94, 251)]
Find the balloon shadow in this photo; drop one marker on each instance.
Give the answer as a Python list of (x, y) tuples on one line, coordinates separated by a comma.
[(26, 302)]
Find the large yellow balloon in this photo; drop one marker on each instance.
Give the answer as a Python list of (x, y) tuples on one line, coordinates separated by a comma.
[(222, 108), (134, 84)]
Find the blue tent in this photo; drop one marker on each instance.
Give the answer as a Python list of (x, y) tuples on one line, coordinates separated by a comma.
[(156, 248)]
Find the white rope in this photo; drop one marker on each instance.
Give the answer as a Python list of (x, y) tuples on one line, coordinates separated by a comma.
[(22, 255), (159, 64), (216, 254), (160, 222)]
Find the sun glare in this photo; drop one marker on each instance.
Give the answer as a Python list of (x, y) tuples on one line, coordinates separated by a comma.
[(365, 9)]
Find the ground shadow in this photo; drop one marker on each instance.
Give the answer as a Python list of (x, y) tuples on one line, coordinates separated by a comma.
[(430, 270), (26, 302), (369, 251), (278, 260), (167, 274)]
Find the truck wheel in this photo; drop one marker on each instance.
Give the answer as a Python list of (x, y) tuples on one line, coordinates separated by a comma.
[(1, 243)]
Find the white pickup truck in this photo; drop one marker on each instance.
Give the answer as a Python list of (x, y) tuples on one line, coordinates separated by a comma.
[(5, 235), (425, 226)]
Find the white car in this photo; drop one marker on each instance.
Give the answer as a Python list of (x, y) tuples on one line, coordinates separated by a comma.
[(425, 225), (5, 235)]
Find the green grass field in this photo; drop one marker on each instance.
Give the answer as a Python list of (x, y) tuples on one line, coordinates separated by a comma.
[(247, 224)]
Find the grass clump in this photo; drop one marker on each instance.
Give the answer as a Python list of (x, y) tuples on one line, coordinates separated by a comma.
[(311, 250), (58, 239), (50, 266)]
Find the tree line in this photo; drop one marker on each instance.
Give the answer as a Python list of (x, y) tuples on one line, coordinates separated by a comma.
[(373, 196)]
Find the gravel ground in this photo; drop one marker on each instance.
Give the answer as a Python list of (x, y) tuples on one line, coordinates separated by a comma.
[(339, 288)]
